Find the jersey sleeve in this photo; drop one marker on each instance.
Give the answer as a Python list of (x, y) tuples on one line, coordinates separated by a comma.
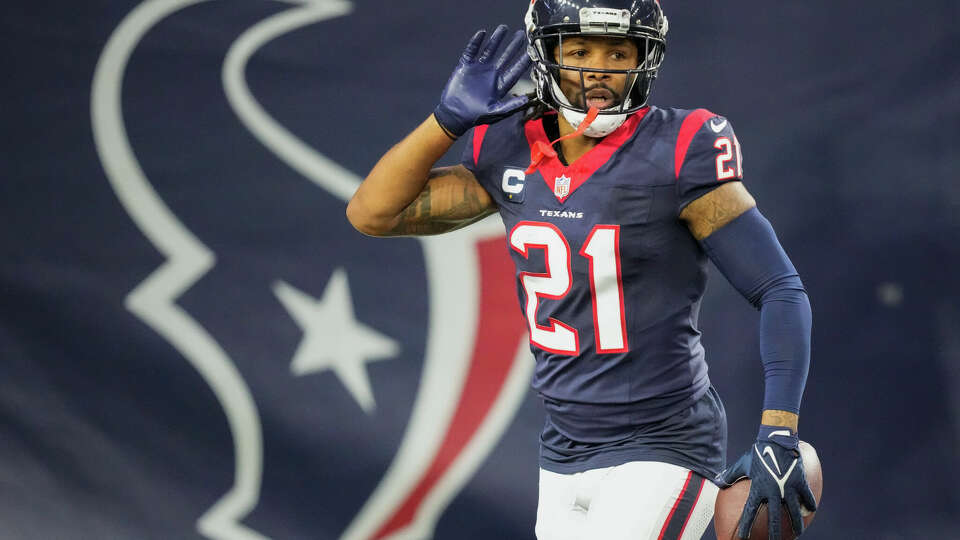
[(471, 159), (707, 155)]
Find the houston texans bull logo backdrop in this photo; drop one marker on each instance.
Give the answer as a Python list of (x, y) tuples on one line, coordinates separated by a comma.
[(174, 249), (308, 338)]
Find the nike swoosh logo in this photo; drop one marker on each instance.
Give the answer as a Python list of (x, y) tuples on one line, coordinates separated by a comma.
[(769, 451), (780, 479), (717, 127), (780, 432)]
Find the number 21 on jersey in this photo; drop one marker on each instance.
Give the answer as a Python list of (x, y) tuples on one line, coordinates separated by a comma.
[(602, 250)]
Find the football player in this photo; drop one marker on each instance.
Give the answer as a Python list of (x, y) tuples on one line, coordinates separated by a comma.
[(611, 208)]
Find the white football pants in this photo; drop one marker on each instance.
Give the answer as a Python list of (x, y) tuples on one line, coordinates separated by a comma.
[(640, 500)]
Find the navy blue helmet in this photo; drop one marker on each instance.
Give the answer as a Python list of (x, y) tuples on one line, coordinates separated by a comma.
[(549, 22)]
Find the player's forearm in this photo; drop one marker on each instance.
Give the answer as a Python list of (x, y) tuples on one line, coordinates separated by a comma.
[(785, 328), (748, 253), (397, 179)]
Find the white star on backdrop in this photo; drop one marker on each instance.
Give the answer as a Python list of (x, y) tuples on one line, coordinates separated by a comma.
[(333, 338)]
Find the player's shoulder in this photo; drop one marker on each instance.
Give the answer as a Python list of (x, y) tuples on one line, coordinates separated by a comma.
[(694, 128), (490, 145), (694, 138), (512, 124), (503, 132), (688, 121)]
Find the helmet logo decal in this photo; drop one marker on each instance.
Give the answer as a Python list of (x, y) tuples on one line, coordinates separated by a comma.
[(604, 20)]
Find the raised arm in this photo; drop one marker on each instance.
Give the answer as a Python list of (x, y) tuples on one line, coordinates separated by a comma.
[(403, 195)]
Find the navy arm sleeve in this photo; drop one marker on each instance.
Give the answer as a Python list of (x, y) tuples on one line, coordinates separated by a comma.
[(747, 252)]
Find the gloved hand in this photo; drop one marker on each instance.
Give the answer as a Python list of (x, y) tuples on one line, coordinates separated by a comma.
[(776, 474), (475, 93)]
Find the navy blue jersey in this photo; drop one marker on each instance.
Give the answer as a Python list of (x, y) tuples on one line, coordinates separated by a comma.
[(609, 279)]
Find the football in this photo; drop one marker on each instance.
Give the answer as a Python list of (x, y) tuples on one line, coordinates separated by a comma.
[(730, 503)]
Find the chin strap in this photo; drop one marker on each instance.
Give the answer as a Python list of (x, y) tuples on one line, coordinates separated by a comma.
[(543, 150)]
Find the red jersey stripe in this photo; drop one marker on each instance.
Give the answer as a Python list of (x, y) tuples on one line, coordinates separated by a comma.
[(479, 133), (691, 125)]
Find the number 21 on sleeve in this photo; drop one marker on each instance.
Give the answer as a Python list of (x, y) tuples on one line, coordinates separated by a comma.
[(727, 151)]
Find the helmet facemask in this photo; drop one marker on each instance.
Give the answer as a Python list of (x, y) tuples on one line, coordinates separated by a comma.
[(629, 97)]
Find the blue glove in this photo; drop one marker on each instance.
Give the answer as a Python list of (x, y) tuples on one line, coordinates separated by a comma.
[(776, 474), (475, 92)]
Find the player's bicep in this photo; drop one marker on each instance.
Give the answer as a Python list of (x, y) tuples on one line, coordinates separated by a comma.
[(709, 168), (452, 198), (718, 207)]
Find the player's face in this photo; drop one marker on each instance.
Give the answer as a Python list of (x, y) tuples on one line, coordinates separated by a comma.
[(603, 90)]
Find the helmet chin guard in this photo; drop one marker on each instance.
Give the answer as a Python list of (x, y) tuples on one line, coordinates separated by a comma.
[(603, 125), (548, 22)]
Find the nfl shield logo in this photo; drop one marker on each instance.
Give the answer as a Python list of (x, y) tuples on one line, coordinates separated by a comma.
[(561, 187)]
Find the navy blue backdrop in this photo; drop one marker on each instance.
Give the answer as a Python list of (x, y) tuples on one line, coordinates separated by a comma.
[(196, 344)]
